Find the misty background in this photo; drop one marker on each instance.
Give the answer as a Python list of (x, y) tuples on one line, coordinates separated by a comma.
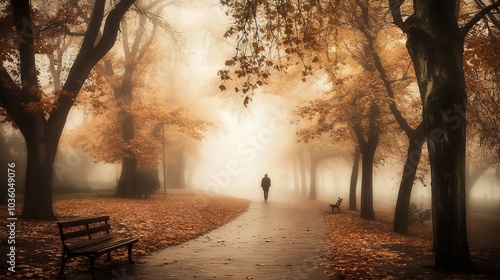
[(244, 142)]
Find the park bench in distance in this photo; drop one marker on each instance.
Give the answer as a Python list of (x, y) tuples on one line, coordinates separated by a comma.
[(90, 237), (336, 205)]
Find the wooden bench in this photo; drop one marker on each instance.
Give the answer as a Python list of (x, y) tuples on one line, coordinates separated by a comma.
[(336, 205), (90, 237)]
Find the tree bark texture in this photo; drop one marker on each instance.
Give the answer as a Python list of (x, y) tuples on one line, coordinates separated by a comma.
[(366, 211), (39, 172), (367, 148), (415, 137), (354, 180), (127, 187), (41, 132), (435, 44), (4, 161), (415, 144), (127, 184)]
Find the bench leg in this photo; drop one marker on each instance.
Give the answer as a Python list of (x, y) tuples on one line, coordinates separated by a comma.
[(92, 260), (108, 258), (63, 263), (129, 249)]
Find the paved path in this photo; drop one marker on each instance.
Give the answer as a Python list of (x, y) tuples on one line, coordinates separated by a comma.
[(274, 240)]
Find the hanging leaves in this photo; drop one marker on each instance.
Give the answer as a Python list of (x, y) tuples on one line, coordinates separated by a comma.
[(272, 36)]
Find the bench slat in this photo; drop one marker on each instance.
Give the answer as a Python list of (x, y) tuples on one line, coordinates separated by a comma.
[(94, 245), (86, 232), (89, 242), (122, 243), (337, 204), (105, 246), (79, 222)]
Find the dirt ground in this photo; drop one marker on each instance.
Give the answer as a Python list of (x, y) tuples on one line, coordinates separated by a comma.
[(362, 249)]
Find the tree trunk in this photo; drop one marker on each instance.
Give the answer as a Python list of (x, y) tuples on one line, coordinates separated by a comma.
[(415, 137), (435, 44), (367, 149), (302, 167), (296, 178), (180, 178), (41, 152), (42, 134), (4, 160), (176, 177), (127, 185), (312, 186), (354, 181), (368, 154), (471, 178), (189, 177), (41, 144), (416, 142)]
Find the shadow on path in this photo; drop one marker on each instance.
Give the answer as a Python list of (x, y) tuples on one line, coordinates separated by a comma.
[(281, 239)]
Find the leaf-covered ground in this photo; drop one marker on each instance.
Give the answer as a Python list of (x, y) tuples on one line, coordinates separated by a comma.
[(360, 249), (158, 222)]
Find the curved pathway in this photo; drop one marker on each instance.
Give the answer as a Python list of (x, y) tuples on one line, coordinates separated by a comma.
[(281, 239)]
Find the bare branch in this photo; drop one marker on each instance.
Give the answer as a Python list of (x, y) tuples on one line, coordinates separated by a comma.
[(478, 17), (493, 19), (395, 8), (9, 96)]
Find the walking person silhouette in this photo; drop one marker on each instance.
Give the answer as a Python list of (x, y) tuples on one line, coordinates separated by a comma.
[(265, 184)]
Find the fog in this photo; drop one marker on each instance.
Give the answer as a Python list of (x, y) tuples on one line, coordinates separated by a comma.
[(245, 142)]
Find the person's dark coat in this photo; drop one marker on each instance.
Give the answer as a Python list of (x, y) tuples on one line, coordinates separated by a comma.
[(266, 182)]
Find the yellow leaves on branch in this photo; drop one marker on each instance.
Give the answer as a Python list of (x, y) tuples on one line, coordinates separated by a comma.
[(348, 102), (41, 101), (102, 136), (97, 93), (481, 64), (271, 36)]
